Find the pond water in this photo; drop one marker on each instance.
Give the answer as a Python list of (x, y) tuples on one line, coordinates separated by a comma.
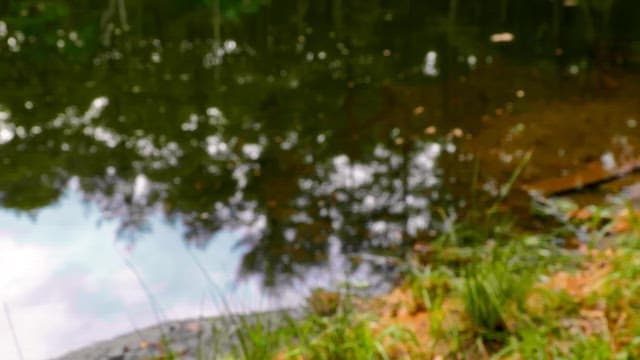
[(67, 282), (295, 132)]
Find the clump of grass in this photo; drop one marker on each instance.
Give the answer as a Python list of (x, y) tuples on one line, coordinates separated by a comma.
[(347, 333), (490, 292), (347, 336), (263, 336), (429, 285), (324, 302)]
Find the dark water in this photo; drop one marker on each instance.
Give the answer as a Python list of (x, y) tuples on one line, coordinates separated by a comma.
[(306, 125)]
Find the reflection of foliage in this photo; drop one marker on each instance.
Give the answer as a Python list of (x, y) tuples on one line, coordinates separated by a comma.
[(35, 14), (232, 9), (335, 90)]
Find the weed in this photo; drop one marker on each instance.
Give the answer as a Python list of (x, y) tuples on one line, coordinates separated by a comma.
[(490, 291)]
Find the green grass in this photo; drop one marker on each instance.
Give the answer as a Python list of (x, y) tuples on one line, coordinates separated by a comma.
[(486, 298), (489, 292), (346, 336)]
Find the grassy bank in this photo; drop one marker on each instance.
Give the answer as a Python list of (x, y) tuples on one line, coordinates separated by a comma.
[(483, 290)]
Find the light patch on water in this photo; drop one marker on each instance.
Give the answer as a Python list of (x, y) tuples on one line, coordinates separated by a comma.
[(632, 123), (156, 57), (104, 135), (210, 60), (289, 234), (503, 37), (574, 69), (378, 227), (417, 202), (450, 147), (505, 157), (490, 187), (430, 60), (608, 161), (216, 146), (141, 187), (252, 151), (309, 56), (191, 124), (168, 153), (145, 146), (349, 175), (230, 45), (305, 184), (95, 109), (423, 166), (6, 132), (418, 222), (354, 182), (290, 141), (214, 112), (472, 60), (381, 152), (369, 203), (12, 42), (4, 115), (3, 29), (240, 175), (215, 116), (20, 36)]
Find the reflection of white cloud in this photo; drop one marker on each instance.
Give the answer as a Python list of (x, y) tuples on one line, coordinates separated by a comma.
[(34, 338), (126, 288), (22, 268), (67, 286), (51, 329)]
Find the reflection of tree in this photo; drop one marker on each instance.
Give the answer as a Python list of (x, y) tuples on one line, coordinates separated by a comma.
[(307, 127)]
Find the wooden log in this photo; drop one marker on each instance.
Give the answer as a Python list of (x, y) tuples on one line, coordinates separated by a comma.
[(591, 174)]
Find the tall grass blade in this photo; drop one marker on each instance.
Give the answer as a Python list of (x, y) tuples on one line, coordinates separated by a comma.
[(13, 331)]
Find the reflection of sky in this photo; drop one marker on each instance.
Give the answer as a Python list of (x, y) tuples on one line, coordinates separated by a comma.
[(66, 284)]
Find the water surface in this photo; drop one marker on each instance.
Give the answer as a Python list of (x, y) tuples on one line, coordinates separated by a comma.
[(293, 130)]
